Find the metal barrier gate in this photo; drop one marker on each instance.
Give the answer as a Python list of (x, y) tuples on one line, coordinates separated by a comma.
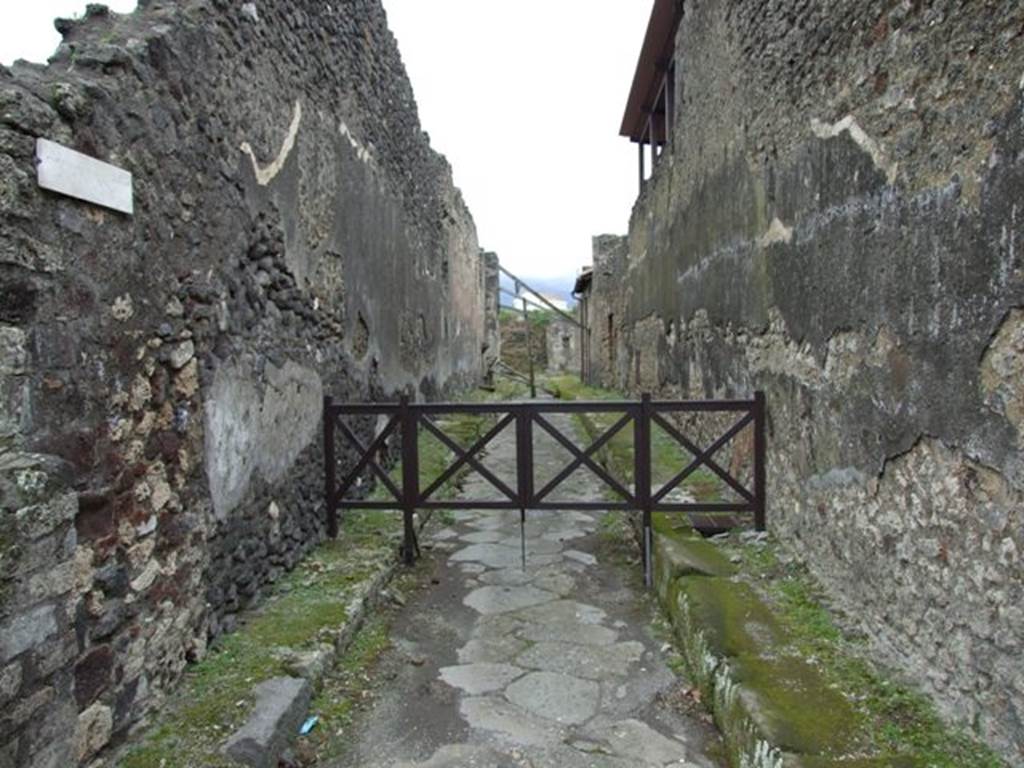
[(408, 419)]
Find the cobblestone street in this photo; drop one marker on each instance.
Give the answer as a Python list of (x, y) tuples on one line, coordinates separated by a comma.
[(551, 665)]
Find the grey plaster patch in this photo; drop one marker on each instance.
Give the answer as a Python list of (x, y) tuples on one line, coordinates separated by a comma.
[(553, 696), (493, 713), (247, 432), (476, 679), (494, 599), (596, 662)]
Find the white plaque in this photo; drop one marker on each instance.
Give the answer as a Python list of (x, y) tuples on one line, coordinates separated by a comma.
[(76, 175)]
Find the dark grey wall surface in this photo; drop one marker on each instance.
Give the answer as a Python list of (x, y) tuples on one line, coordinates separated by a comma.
[(838, 222), (162, 374)]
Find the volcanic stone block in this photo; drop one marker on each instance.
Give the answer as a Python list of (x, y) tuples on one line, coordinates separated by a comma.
[(281, 703)]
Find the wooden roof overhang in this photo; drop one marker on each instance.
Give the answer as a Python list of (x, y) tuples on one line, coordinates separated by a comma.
[(655, 57)]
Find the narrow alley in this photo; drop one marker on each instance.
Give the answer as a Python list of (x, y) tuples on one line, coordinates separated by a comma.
[(498, 666)]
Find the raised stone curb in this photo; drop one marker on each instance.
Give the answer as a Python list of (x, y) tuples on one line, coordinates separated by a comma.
[(256, 741), (281, 704), (774, 709)]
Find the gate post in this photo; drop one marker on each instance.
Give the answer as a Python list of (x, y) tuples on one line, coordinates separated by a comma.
[(524, 470), (330, 468), (760, 457), (410, 477), (642, 477)]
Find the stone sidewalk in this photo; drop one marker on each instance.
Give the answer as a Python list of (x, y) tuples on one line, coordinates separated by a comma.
[(549, 666)]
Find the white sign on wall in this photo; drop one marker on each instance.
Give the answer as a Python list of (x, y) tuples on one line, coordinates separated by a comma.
[(71, 173)]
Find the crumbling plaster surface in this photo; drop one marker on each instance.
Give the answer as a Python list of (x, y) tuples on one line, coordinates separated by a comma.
[(838, 224), (247, 433), (162, 375), (563, 346)]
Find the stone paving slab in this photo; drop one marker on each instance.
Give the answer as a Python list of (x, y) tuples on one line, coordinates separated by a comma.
[(480, 677)]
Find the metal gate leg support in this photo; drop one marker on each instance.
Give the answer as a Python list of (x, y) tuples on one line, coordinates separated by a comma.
[(524, 473), (522, 535), (642, 475), (410, 479)]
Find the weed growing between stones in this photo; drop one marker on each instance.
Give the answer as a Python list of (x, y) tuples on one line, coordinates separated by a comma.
[(349, 685)]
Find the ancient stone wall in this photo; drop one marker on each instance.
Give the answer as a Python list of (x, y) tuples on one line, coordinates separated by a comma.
[(492, 306), (514, 349), (605, 310), (838, 222), (563, 346), (162, 373)]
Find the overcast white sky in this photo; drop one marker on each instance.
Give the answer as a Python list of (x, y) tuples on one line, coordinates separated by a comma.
[(524, 98)]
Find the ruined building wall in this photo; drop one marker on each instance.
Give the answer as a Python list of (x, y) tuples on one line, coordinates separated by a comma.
[(492, 307), (605, 310), (161, 374), (838, 222), (562, 340)]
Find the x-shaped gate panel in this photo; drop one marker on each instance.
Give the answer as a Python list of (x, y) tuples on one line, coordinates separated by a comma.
[(583, 458), (467, 456), (702, 457)]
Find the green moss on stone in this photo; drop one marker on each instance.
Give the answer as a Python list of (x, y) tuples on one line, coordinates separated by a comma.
[(794, 708), (679, 555), (735, 621)]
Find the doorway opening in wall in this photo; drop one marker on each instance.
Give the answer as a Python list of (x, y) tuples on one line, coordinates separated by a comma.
[(610, 336)]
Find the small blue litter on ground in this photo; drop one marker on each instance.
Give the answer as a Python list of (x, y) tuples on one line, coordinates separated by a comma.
[(309, 725)]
